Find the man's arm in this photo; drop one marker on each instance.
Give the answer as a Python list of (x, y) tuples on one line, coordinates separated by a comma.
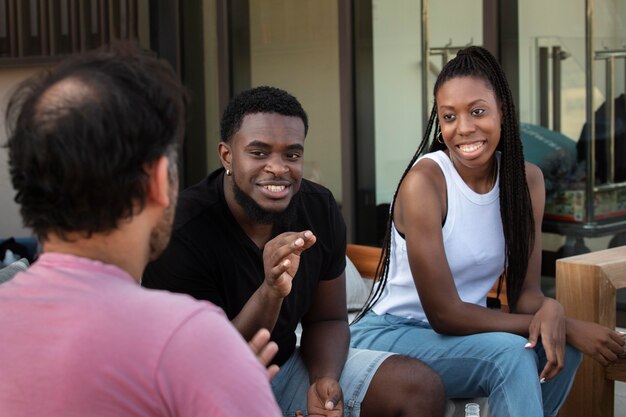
[(281, 259), (206, 368), (325, 342)]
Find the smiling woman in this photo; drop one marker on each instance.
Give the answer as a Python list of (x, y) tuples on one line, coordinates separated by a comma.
[(466, 216)]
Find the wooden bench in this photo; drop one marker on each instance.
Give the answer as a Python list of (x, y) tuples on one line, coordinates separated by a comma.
[(586, 286), (365, 259)]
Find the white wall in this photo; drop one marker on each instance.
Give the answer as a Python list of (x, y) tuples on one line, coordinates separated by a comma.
[(10, 220), (397, 75), (295, 46)]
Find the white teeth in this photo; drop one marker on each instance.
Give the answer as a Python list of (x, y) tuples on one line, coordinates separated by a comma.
[(471, 147), (275, 188)]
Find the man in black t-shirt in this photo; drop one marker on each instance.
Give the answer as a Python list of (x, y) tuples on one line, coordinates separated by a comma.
[(269, 247)]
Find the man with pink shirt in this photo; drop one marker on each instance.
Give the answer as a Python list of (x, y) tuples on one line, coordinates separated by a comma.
[(92, 155)]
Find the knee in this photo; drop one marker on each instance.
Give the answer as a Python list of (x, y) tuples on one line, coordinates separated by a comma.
[(508, 347), (414, 387)]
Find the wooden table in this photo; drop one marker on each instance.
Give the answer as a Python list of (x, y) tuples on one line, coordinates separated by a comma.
[(586, 286)]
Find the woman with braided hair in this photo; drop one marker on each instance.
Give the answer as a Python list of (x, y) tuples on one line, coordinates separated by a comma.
[(465, 214)]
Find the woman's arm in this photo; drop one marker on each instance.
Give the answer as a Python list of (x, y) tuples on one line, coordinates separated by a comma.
[(532, 298), (418, 213)]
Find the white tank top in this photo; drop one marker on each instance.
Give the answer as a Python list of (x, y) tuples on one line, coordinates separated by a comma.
[(473, 240)]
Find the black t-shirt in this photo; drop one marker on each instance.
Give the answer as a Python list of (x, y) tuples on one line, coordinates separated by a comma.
[(211, 258)]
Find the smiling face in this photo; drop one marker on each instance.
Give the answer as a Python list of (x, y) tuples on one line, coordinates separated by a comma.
[(265, 157), (470, 120)]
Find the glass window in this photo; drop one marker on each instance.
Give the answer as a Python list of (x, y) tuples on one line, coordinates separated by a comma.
[(397, 39)]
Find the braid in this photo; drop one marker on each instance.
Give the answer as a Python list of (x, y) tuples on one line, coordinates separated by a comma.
[(382, 270), (515, 205)]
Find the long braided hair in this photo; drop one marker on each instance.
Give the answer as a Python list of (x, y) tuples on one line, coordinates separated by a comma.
[(515, 205)]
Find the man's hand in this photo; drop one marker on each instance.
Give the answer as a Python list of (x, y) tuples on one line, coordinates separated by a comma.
[(281, 259), (325, 398), (265, 350)]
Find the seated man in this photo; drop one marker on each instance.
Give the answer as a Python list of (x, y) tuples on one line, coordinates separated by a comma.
[(92, 156), (269, 247)]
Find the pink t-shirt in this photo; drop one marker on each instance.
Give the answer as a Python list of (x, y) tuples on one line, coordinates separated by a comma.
[(81, 338)]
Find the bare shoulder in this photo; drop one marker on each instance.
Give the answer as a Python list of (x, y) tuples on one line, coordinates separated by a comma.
[(422, 194), (534, 176), (424, 176)]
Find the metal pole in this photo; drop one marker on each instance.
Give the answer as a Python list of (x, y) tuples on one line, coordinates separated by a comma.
[(544, 116), (425, 61), (610, 120), (556, 88), (591, 132)]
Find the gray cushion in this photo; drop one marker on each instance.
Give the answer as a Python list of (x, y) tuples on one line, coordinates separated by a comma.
[(10, 270), (357, 288)]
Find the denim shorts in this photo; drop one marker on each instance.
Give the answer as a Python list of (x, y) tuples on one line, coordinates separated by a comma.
[(291, 384)]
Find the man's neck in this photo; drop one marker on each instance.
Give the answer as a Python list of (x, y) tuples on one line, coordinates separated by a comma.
[(116, 248)]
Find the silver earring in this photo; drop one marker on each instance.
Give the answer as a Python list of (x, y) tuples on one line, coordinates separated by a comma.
[(228, 173), (440, 138)]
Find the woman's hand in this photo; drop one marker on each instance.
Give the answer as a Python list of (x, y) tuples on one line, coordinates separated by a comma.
[(549, 324), (596, 341)]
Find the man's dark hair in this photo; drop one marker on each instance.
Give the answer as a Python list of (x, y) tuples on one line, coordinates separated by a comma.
[(81, 136), (262, 99)]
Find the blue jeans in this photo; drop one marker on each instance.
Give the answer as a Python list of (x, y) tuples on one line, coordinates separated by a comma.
[(291, 385), (494, 365)]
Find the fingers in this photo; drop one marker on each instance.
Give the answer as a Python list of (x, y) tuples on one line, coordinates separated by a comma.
[(309, 239), (267, 353), (555, 358), (325, 398), (259, 340), (263, 348), (618, 342), (272, 371), (533, 334), (287, 243), (330, 392)]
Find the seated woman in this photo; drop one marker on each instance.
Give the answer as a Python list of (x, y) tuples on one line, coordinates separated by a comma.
[(465, 214)]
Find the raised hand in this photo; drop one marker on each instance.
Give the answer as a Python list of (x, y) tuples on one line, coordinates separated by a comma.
[(264, 350), (281, 259)]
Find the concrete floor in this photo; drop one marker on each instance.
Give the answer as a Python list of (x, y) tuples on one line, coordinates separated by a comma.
[(620, 399), (620, 394)]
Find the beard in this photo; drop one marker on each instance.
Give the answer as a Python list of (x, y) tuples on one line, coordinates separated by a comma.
[(280, 219), (160, 235)]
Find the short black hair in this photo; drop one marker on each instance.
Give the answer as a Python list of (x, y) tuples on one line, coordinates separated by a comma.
[(81, 135), (262, 99)]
